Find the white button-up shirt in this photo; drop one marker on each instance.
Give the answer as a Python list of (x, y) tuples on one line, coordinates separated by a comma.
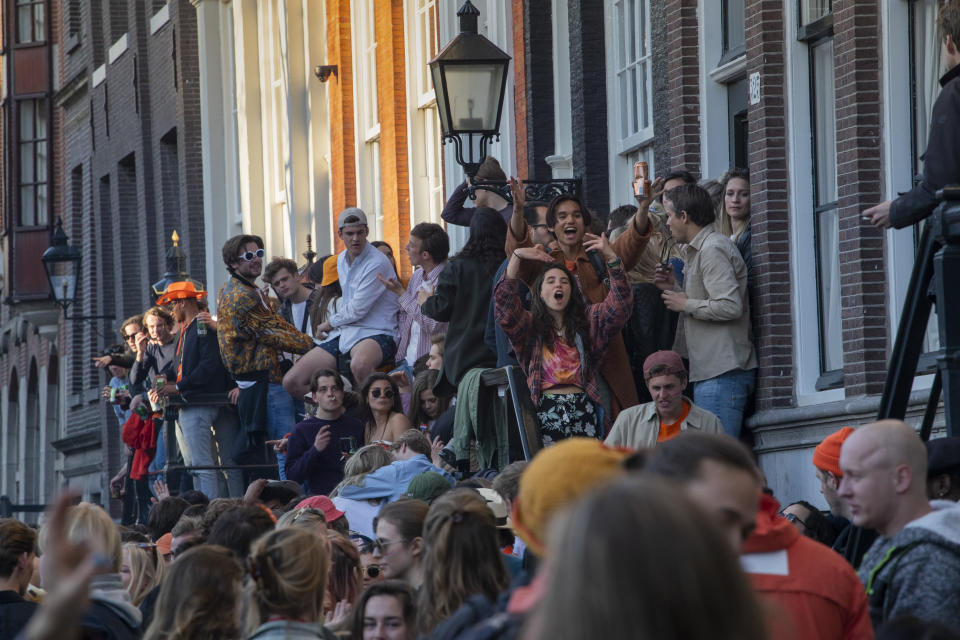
[(366, 308)]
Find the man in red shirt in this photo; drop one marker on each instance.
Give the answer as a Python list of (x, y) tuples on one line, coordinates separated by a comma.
[(817, 589)]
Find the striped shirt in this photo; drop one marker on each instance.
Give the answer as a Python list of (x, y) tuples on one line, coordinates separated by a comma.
[(411, 317)]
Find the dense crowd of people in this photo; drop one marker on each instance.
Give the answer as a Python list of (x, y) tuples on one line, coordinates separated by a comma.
[(342, 468)]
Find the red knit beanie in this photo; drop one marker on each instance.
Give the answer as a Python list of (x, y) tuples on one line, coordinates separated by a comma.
[(826, 456)]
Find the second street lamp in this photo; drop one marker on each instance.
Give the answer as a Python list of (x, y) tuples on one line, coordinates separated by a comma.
[(61, 261)]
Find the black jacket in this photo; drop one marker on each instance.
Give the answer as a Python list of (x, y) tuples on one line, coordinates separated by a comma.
[(286, 312), (15, 613), (203, 370), (461, 299), (941, 161)]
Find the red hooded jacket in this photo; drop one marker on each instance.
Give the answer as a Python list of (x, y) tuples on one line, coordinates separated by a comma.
[(140, 435), (813, 585)]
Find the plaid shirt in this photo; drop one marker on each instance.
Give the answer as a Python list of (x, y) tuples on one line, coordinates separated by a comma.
[(410, 313), (606, 319), (251, 334)]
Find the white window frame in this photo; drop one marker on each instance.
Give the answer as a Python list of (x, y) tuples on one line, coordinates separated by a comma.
[(714, 85), (624, 152), (897, 158), (632, 140), (561, 161), (366, 115), (423, 121), (279, 126), (802, 248)]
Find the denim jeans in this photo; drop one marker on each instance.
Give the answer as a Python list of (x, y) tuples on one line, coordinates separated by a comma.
[(725, 396), (159, 457), (281, 418), (196, 446)]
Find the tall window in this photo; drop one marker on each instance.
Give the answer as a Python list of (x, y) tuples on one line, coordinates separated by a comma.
[(816, 29), (368, 117), (426, 158), (632, 71), (278, 105), (33, 162), (31, 20), (734, 31), (926, 67)]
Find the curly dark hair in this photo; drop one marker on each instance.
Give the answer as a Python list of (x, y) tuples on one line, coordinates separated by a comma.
[(574, 316), (488, 233)]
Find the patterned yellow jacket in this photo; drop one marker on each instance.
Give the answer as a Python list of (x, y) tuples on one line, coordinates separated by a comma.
[(252, 335)]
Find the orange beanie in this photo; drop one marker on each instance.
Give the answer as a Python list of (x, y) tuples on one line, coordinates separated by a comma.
[(826, 456)]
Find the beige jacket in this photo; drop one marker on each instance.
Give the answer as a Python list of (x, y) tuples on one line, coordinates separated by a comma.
[(639, 426), (714, 329)]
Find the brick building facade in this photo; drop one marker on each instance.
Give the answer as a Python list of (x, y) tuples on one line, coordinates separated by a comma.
[(832, 128), (126, 147)]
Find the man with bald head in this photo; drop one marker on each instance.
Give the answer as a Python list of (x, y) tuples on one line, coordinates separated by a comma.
[(913, 568)]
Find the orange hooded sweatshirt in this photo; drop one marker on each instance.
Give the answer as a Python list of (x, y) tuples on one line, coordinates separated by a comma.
[(817, 591)]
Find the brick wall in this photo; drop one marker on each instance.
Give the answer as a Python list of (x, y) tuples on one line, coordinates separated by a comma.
[(683, 84), (588, 102), (534, 92), (392, 112), (769, 207), (862, 272)]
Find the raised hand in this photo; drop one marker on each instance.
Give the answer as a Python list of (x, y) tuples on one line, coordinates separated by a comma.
[(322, 439), (599, 243), (536, 253), (519, 196), (391, 284)]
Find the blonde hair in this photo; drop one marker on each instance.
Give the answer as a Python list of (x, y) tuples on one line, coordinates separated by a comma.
[(366, 460), (289, 569), (305, 517), (462, 558), (198, 597), (90, 524), (724, 221), (146, 570)]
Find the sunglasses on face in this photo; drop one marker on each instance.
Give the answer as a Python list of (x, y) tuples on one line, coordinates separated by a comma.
[(386, 393), (794, 519), (250, 255)]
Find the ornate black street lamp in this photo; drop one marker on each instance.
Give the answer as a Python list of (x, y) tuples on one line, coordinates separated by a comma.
[(61, 261), (470, 79)]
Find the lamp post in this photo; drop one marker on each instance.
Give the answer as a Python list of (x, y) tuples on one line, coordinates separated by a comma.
[(176, 269), (470, 79), (61, 261)]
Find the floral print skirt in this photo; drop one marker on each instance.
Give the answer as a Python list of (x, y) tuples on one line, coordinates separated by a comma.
[(567, 415)]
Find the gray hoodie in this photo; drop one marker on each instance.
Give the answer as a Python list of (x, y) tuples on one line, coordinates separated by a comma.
[(111, 613), (917, 571)]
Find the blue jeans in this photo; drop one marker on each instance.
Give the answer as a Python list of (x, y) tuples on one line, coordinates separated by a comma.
[(159, 457), (725, 396), (196, 445), (281, 418)]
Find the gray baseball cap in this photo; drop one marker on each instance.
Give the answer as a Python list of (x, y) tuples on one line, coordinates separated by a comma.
[(351, 217)]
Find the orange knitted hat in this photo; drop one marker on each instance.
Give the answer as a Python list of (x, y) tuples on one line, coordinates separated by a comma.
[(557, 477), (826, 456)]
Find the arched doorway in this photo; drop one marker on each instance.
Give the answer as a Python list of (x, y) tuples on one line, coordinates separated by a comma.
[(11, 437), (32, 471), (52, 427)]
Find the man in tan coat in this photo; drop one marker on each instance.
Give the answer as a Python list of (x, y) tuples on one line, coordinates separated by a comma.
[(714, 308), (670, 412)]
